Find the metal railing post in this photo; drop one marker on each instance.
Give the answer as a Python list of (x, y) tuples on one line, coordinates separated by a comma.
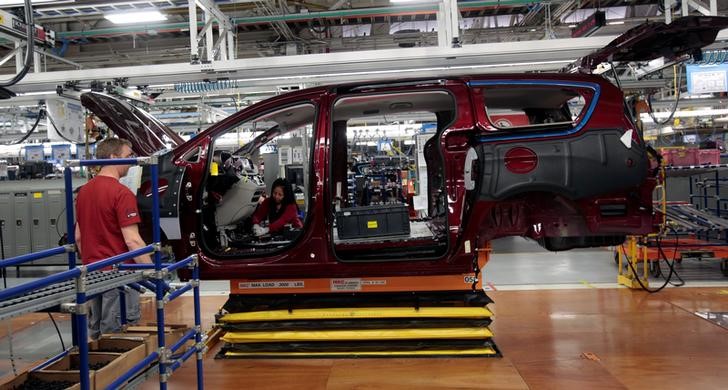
[(156, 237), (81, 314), (198, 320), (717, 191), (71, 238)]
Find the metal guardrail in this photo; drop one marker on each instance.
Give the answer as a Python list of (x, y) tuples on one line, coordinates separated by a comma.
[(81, 283)]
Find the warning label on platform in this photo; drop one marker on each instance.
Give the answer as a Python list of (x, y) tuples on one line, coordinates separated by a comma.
[(346, 284), (374, 282), (273, 284)]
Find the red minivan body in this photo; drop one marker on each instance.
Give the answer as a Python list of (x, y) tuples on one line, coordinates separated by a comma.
[(411, 177), (568, 169)]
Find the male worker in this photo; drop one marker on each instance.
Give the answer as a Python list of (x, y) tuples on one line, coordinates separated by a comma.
[(107, 226)]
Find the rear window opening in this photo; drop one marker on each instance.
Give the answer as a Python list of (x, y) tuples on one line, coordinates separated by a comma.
[(513, 107)]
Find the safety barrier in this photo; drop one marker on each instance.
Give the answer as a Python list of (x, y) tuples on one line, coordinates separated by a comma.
[(155, 272)]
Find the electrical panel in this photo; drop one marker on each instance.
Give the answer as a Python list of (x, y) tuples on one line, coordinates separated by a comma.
[(22, 223), (7, 224), (55, 202), (32, 221), (38, 218)]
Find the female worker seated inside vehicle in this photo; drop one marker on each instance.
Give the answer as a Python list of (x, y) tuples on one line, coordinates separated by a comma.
[(279, 210)]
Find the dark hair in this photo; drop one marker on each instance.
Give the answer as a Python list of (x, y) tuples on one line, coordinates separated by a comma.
[(288, 198)]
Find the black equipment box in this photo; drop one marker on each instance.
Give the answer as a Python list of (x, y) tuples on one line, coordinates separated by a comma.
[(373, 221)]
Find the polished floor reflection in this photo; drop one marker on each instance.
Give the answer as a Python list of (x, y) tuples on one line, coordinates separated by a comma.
[(550, 339), (720, 318)]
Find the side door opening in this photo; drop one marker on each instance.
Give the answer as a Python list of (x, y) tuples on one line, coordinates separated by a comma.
[(245, 162), (387, 176)]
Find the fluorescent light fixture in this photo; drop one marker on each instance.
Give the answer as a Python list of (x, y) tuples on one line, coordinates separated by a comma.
[(37, 93), (4, 3), (687, 114), (615, 22), (684, 114), (135, 17)]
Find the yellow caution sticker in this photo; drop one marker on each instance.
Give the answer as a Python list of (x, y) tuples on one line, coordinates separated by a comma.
[(37, 195), (372, 224), (213, 169)]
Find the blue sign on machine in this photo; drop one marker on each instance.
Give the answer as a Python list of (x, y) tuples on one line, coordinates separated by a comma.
[(707, 78), (34, 153), (60, 153)]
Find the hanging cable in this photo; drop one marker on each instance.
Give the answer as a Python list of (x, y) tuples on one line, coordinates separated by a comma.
[(674, 258), (678, 83), (63, 345), (671, 265), (30, 132), (29, 47)]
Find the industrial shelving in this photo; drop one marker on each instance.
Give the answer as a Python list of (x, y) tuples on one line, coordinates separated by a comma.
[(688, 230), (701, 221), (73, 288)]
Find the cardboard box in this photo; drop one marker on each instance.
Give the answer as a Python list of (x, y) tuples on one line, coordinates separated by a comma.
[(172, 333), (132, 351), (99, 379), (149, 340), (18, 381)]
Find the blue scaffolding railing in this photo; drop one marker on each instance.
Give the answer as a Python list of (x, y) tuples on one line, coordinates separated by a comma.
[(156, 272)]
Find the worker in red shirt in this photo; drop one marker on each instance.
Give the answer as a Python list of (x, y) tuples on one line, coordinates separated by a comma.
[(279, 209), (107, 225)]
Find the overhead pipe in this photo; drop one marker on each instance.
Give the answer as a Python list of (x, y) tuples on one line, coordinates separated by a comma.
[(414, 9)]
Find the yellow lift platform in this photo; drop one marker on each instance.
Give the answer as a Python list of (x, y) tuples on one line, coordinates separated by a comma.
[(443, 315), (633, 264)]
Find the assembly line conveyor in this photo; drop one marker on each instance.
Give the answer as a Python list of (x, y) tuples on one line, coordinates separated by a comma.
[(65, 292)]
